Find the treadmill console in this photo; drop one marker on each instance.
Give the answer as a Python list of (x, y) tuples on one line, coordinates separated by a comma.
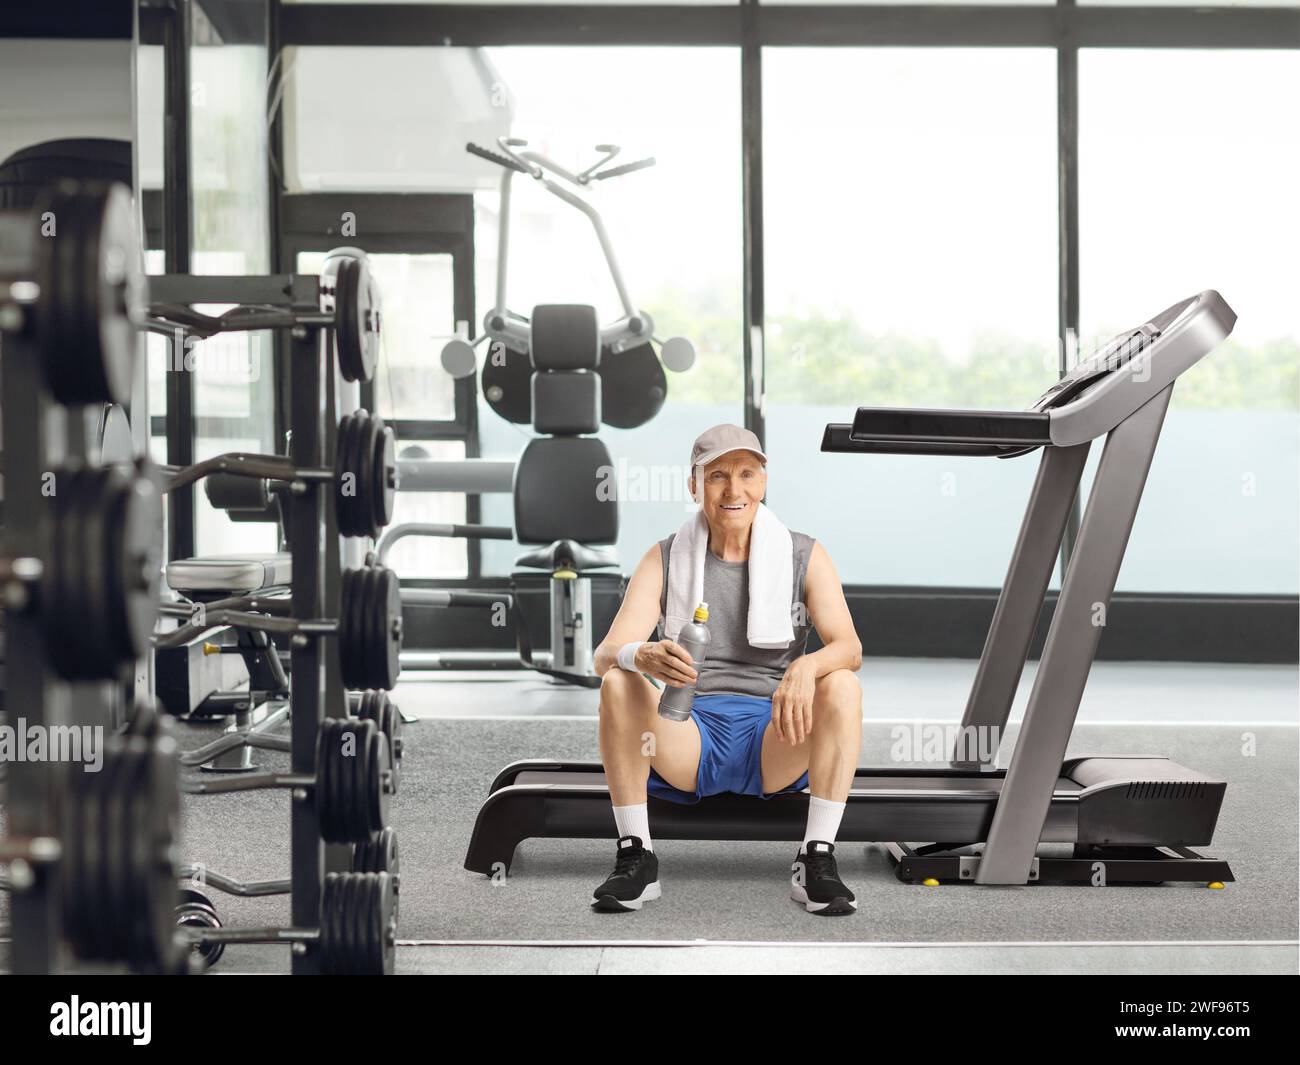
[(1120, 350)]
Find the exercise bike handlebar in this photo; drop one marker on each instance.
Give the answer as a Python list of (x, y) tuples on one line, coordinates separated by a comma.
[(494, 157)]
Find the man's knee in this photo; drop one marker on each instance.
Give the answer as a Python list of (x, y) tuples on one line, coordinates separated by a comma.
[(840, 691), (618, 691)]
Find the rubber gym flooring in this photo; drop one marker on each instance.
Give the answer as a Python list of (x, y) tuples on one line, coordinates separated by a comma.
[(725, 907)]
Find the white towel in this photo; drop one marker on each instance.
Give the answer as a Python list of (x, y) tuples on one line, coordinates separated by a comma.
[(771, 579)]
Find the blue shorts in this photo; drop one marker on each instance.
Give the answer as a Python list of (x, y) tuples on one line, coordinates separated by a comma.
[(731, 749)]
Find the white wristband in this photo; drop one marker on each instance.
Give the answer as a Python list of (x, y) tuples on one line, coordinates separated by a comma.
[(627, 656)]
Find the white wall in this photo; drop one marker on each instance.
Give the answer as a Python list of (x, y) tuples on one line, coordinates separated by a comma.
[(55, 88)]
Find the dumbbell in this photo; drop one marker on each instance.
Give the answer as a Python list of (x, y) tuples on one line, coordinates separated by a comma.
[(357, 933), (369, 626), (355, 318), (364, 475), (352, 782), (72, 279), (96, 589)]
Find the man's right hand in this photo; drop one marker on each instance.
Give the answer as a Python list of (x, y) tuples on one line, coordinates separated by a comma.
[(666, 661)]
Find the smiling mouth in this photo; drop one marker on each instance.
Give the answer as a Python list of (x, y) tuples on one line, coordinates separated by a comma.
[(734, 506)]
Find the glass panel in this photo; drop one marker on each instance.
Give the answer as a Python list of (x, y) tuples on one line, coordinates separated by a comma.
[(428, 556), (1188, 170), (362, 139), (910, 220), (417, 319), (676, 229)]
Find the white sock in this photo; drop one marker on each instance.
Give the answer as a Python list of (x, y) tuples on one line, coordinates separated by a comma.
[(823, 820), (635, 821)]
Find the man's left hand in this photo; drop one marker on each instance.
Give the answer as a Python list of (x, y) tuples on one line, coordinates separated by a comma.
[(793, 702)]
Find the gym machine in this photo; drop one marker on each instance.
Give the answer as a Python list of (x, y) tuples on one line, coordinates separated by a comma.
[(564, 374), (1128, 819)]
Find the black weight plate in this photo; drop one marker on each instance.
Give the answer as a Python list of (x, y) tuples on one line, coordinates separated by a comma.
[(366, 485), (372, 464), (359, 921), (372, 633), (328, 806), (391, 725), (350, 758), (80, 838), (386, 476), (367, 709), (508, 383), (345, 932), (93, 289), (190, 891), (117, 847), (59, 596), (633, 386), (359, 501), (325, 802), (329, 930), (379, 762), (357, 609), (161, 817), (342, 503), (98, 513), (134, 915), (360, 626), (386, 954), (370, 930), (346, 488), (392, 590), (137, 566), (349, 610), (379, 854), (356, 320)]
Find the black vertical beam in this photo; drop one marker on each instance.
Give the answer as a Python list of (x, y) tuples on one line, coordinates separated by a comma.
[(466, 397), (1067, 170), (307, 517), (177, 247), (275, 185), (751, 123), (32, 798)]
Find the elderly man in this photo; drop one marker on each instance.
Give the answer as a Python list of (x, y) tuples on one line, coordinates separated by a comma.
[(767, 718)]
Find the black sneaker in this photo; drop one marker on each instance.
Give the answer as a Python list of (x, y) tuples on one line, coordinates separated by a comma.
[(816, 882), (635, 879)]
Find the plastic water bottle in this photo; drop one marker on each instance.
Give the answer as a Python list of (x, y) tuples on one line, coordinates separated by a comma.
[(675, 703)]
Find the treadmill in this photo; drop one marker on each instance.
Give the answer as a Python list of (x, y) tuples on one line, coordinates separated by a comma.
[(1125, 819)]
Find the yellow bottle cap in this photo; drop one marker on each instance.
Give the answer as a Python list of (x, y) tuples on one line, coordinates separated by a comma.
[(702, 612)]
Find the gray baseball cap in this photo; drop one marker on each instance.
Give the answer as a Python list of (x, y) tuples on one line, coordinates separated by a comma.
[(716, 442)]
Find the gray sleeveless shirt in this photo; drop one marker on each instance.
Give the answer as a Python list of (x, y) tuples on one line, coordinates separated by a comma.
[(732, 665)]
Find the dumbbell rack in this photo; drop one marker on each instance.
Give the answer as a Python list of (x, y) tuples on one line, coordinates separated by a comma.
[(41, 434), (311, 525)]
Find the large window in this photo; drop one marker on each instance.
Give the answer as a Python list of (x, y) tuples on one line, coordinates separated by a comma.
[(911, 259), (676, 229), (1189, 164)]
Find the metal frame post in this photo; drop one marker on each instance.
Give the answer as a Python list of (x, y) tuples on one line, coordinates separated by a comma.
[(1071, 645)]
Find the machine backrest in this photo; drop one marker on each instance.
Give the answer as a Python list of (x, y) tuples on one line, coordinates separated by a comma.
[(564, 483)]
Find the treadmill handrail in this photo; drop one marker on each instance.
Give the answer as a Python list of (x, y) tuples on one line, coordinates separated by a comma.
[(951, 426), (839, 438)]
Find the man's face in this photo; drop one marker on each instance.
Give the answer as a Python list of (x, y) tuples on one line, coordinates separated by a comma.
[(733, 485)]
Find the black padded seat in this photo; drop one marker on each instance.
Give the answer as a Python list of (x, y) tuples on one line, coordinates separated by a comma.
[(568, 553)]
